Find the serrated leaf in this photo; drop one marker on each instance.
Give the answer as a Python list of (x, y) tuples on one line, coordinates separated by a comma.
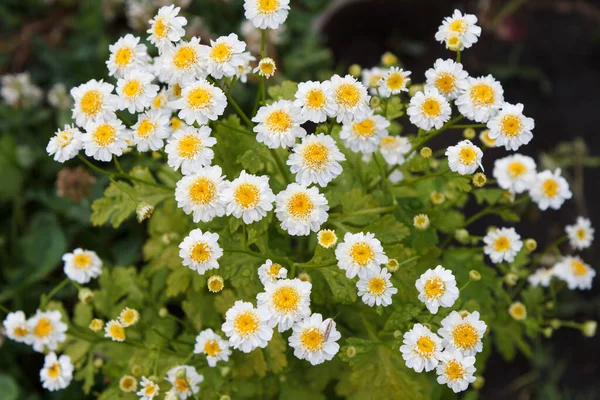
[(388, 229), (275, 353), (488, 196), (286, 91), (343, 289)]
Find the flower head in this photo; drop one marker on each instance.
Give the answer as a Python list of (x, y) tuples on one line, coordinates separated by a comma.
[(65, 144), (301, 209), (185, 381), (166, 27), (93, 102), (286, 301), (358, 253), (315, 100), (327, 238), (429, 109), (16, 327), (463, 333), (269, 272), (576, 273), (266, 13), (458, 28), (437, 287), (375, 288), (150, 130), (200, 194), (200, 102), (266, 67), (47, 330), (57, 372), (115, 331), (394, 81), (248, 197), (82, 266), (190, 149), (510, 128), (515, 172), (394, 149), (314, 339), (247, 327), (550, 190), (446, 76), (350, 98), (502, 245), (278, 124), (148, 389), (480, 98), (421, 348), (518, 311), (200, 251), (224, 56), (581, 234), (456, 370), (464, 158), (105, 139), (213, 346), (364, 134)]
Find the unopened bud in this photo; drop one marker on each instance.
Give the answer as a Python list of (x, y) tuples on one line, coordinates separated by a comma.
[(351, 351), (304, 277), (389, 59), (397, 334), (426, 152), (225, 397), (98, 362), (355, 70), (555, 323), (393, 265), (462, 235), (96, 325), (437, 198), (163, 312), (479, 179), (548, 332), (85, 295), (414, 89), (479, 383), (511, 279), (136, 370), (375, 102), (469, 133), (530, 244), (144, 211), (474, 275), (589, 328)]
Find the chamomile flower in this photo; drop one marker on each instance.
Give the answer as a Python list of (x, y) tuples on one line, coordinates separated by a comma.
[(301, 209), (115, 331), (278, 124), (456, 370), (136, 91), (502, 245), (429, 109), (247, 327), (148, 389), (446, 76), (82, 266), (200, 251), (371, 78), (464, 158), (224, 56), (421, 221), (314, 339), (213, 346), (316, 159), (128, 383), (161, 103), (421, 349), (364, 134), (463, 333), (518, 311), (394, 81), (437, 287), (266, 67), (57, 372), (185, 381), (166, 27), (351, 99), (327, 238), (375, 287), (576, 273), (510, 128), (16, 327), (248, 197), (65, 144), (184, 63), (105, 139), (286, 301), (581, 234), (315, 100), (245, 68), (463, 26), (394, 149), (190, 149), (485, 138), (480, 98), (266, 13), (358, 253), (127, 55), (541, 277), (200, 194), (200, 102), (129, 317), (93, 102), (515, 173), (150, 130), (550, 190), (215, 284), (47, 330), (270, 272)]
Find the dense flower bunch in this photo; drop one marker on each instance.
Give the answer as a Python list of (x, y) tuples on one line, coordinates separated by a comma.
[(364, 201)]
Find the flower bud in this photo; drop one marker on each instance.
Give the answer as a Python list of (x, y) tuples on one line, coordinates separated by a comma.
[(98, 362), (434, 163), (426, 152), (550, 305), (589, 328), (518, 311), (462, 235), (224, 397), (414, 89), (304, 277), (474, 275), (464, 313), (163, 312), (469, 133), (351, 351), (96, 325), (85, 295), (389, 59), (156, 155), (144, 211), (530, 244), (375, 102), (215, 284), (355, 70), (397, 334), (547, 332), (454, 43), (511, 279), (393, 265), (136, 370), (555, 323), (421, 221), (437, 198), (479, 179), (479, 383)]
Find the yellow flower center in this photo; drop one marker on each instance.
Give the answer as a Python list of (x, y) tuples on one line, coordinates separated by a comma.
[(200, 252), (516, 169), (180, 385), (129, 317), (82, 261), (221, 53), (286, 299), (502, 244), (132, 88), (425, 346), (421, 221), (581, 233), (315, 156), (362, 253), (518, 311), (54, 371), (434, 288), (123, 56), (202, 191), (482, 94), (453, 42), (454, 370), (145, 128), (20, 331), (365, 128), (465, 336), (117, 332), (274, 270), (127, 384), (159, 101), (64, 138), (247, 195), (279, 121), (189, 146), (185, 57), (347, 95), (43, 328), (91, 102), (312, 339), (300, 205), (550, 187), (395, 82), (511, 125), (388, 141), (160, 28), (578, 268), (267, 68), (104, 135), (445, 82), (377, 286), (315, 98), (431, 108), (327, 238), (215, 285), (211, 348), (375, 80), (176, 123), (199, 98), (467, 155), (267, 7), (246, 323)]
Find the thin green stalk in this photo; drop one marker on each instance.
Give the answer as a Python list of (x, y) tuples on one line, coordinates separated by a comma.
[(468, 126), (118, 164), (458, 56), (126, 191), (377, 210), (280, 165), (53, 292), (4, 309), (309, 265)]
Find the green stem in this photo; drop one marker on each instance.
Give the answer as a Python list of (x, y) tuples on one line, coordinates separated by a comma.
[(234, 104), (377, 210), (458, 56), (53, 292), (118, 165), (4, 309), (92, 166), (468, 126), (232, 128), (433, 134), (420, 178), (264, 256), (280, 165), (465, 285), (308, 265), (126, 191)]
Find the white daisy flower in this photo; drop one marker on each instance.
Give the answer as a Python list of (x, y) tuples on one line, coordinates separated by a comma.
[(515, 173), (245, 68), (286, 301), (266, 13), (510, 128), (127, 55), (421, 348), (184, 63), (166, 27), (485, 138), (358, 253), (463, 334), (463, 26), (581, 234), (190, 149), (115, 331), (550, 190), (82, 266), (266, 67), (464, 158), (247, 327), (47, 330), (364, 134), (136, 91), (446, 76), (200, 102), (541, 277), (437, 287), (327, 238), (371, 78), (148, 389), (315, 340), (105, 138), (315, 100), (351, 99), (395, 81), (502, 245), (211, 344), (480, 98), (200, 251), (301, 209), (129, 317), (200, 194), (269, 272), (375, 287), (456, 370), (128, 384), (576, 273), (429, 109), (278, 124), (16, 327), (185, 381), (150, 130), (248, 197), (57, 372), (93, 102), (316, 160), (161, 103), (224, 56), (394, 149), (65, 144)]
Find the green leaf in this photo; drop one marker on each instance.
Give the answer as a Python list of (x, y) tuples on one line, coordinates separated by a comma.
[(343, 289), (9, 388), (275, 353), (44, 243), (286, 91), (388, 229), (11, 175), (446, 220), (488, 196)]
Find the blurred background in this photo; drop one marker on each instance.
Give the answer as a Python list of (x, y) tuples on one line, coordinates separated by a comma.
[(545, 53)]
